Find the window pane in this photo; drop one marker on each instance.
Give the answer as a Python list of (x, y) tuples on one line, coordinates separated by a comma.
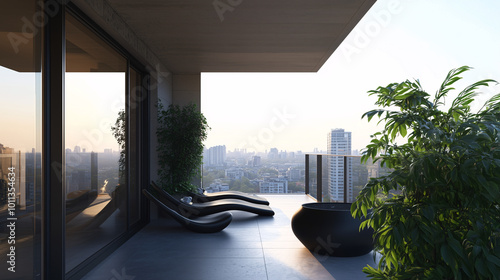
[(20, 140), (95, 121)]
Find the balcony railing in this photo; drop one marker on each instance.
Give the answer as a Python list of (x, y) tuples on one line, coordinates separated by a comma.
[(337, 178), (321, 176)]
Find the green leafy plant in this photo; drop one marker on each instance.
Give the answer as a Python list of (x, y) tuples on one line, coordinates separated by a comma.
[(118, 131), (439, 217), (181, 132)]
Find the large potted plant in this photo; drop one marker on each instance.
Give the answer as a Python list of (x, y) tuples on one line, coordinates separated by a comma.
[(437, 215), (181, 132)]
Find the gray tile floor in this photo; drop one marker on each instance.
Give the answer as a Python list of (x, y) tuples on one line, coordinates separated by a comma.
[(251, 247)]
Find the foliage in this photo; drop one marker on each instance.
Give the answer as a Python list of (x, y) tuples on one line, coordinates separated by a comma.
[(181, 132), (243, 185), (264, 170), (445, 222), (119, 133), (210, 175)]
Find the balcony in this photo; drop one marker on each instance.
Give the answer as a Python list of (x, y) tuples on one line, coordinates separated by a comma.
[(251, 247)]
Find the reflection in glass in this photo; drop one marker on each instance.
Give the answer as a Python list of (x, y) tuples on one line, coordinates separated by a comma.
[(20, 141), (95, 181)]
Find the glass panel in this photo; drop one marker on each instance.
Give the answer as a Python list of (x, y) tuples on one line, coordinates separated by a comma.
[(136, 96), (313, 175), (95, 122), (336, 178), (20, 139)]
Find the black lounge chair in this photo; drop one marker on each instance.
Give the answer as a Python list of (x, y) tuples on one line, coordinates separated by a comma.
[(215, 223), (211, 207), (204, 197)]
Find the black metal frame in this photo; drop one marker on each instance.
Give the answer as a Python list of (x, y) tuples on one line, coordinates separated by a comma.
[(53, 161), (345, 180), (307, 188), (319, 178), (319, 175), (53, 193)]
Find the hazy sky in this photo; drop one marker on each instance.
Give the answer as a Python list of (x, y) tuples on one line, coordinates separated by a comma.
[(395, 41), (90, 127), (17, 109), (88, 123)]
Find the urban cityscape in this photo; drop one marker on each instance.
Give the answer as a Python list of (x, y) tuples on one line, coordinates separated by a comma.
[(272, 171), (280, 171), (84, 171)]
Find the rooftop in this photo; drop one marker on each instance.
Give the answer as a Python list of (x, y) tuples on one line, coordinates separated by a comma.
[(251, 247)]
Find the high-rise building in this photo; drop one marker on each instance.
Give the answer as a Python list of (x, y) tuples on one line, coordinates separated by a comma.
[(93, 171), (215, 156), (273, 153), (256, 161), (339, 143)]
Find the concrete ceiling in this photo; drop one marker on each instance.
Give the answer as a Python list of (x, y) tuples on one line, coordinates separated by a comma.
[(17, 45), (192, 36)]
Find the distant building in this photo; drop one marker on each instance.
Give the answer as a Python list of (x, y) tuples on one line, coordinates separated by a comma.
[(93, 171), (33, 175), (24, 186), (77, 149), (215, 156), (82, 171), (6, 150), (217, 186), (339, 143), (293, 174), (234, 173), (273, 153), (283, 155), (274, 185), (256, 161)]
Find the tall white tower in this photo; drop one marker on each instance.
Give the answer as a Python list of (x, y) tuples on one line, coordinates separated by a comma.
[(339, 143)]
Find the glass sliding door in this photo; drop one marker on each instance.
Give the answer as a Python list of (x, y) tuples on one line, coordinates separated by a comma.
[(95, 137), (20, 139), (103, 106)]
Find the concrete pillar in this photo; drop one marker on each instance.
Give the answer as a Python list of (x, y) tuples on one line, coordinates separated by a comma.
[(160, 91), (186, 89)]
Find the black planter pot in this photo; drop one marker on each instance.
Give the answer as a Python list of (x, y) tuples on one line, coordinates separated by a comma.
[(329, 229)]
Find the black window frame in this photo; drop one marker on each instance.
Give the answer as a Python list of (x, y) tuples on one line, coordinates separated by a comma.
[(53, 134)]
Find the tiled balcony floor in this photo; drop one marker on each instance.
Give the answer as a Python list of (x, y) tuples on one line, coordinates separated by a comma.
[(251, 247)]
